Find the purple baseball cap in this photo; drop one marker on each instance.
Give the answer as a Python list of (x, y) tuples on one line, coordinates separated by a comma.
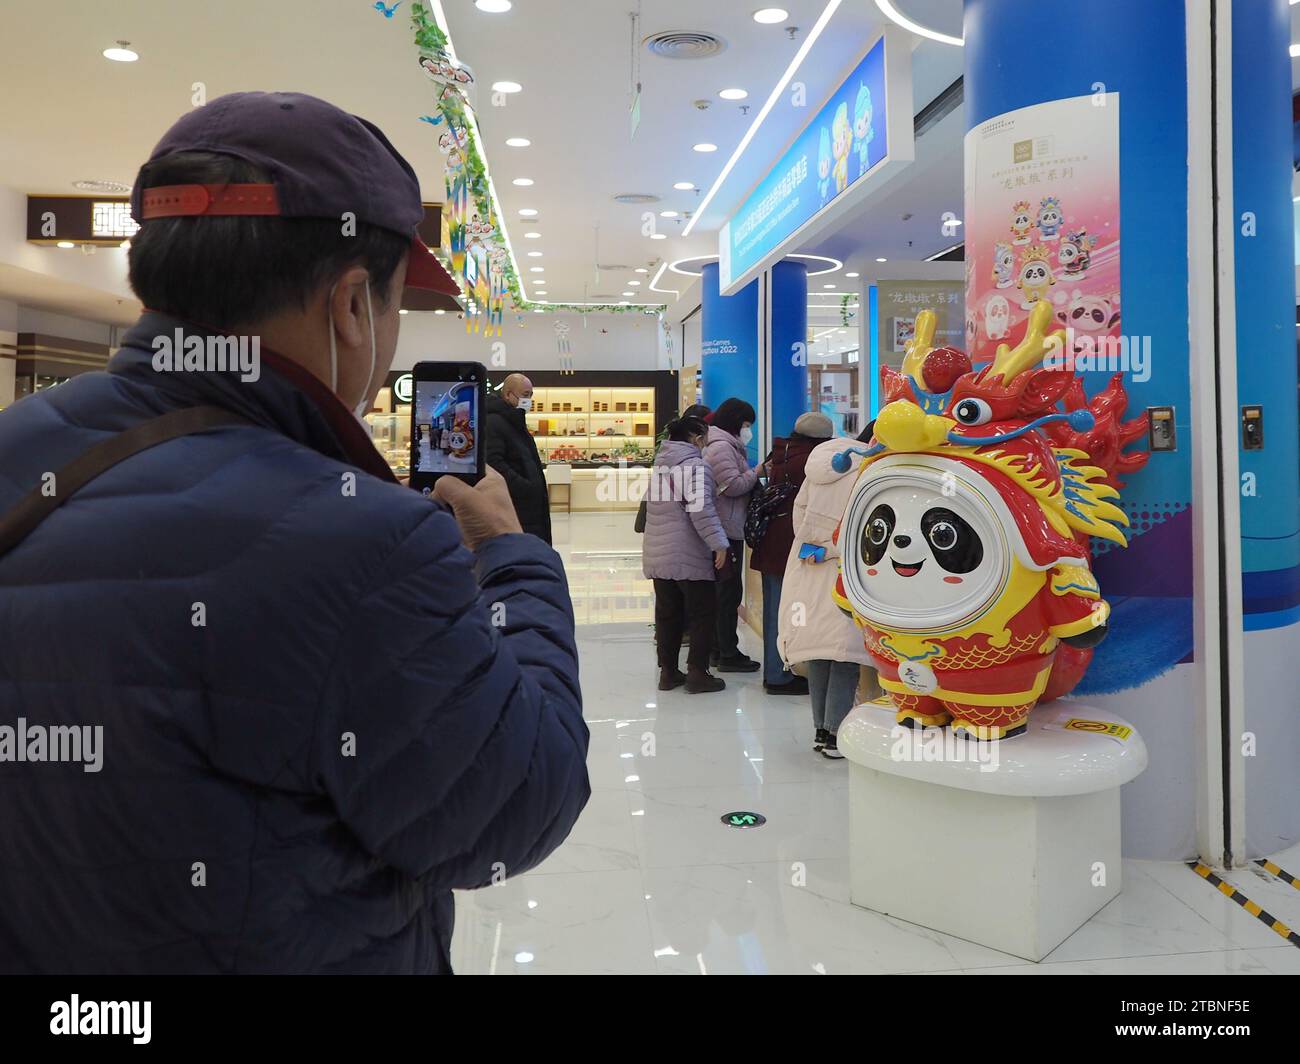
[(322, 162)]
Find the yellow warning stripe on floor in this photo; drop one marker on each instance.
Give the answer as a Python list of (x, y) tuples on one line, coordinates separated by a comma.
[(1232, 892), (1281, 873)]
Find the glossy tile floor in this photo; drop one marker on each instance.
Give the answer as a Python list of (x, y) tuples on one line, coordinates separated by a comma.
[(650, 881)]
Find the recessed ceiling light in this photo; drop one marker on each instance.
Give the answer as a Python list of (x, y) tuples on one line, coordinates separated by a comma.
[(828, 286), (493, 7), (629, 293), (667, 214), (541, 291), (658, 236), (733, 94), (536, 269), (65, 244), (770, 16), (534, 254), (684, 186), (533, 236), (403, 311), (507, 86), (706, 146), (440, 312), (882, 260), (121, 54), (642, 269), (631, 283), (527, 212), (518, 142), (850, 275), (538, 310), (522, 182)]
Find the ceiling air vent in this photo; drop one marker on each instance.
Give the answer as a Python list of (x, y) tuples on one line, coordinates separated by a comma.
[(635, 197), (679, 45), (611, 266)]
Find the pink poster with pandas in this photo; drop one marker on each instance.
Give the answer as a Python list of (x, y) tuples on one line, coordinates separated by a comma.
[(1042, 222)]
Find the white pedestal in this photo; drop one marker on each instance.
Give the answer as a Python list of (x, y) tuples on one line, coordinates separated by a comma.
[(1015, 854)]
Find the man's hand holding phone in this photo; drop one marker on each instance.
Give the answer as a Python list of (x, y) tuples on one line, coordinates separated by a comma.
[(483, 511)]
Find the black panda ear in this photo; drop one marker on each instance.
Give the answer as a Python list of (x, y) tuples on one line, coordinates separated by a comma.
[(1114, 320)]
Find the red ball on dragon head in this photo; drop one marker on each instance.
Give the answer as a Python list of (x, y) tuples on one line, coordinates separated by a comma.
[(942, 368)]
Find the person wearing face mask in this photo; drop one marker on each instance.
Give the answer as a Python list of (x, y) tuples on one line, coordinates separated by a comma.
[(730, 431), (314, 726), (512, 452)]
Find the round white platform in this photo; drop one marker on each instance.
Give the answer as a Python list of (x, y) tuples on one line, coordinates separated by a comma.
[(1048, 760)]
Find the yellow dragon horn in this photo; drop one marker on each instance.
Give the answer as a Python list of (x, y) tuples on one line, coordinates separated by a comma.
[(1009, 361), (921, 344)]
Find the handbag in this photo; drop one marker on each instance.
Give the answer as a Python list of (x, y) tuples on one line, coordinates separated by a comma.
[(639, 524), (767, 503)]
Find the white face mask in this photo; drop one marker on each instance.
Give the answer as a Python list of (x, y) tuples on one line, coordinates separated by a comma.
[(746, 434), (526, 403), (359, 411)]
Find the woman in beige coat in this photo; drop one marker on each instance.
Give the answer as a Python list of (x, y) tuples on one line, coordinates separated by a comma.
[(812, 628)]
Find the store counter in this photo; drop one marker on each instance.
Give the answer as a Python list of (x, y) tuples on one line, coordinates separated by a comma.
[(595, 488)]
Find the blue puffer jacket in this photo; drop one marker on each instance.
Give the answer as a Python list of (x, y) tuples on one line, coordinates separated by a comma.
[(297, 772)]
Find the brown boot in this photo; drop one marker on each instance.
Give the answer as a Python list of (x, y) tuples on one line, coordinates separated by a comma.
[(701, 681)]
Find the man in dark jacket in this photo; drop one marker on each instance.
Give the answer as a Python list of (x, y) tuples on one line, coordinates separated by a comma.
[(512, 453), (322, 702)]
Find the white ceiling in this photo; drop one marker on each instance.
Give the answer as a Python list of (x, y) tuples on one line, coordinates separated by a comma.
[(73, 115)]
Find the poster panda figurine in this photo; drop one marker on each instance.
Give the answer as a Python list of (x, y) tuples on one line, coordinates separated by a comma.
[(461, 441), (965, 542)]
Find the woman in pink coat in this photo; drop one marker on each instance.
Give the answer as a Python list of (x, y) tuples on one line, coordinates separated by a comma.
[(812, 629)]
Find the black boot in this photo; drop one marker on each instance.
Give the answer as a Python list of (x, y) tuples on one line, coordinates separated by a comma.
[(670, 678)]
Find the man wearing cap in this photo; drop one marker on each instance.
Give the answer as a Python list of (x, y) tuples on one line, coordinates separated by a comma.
[(325, 701)]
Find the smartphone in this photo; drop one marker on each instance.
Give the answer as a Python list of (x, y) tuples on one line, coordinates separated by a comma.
[(447, 422)]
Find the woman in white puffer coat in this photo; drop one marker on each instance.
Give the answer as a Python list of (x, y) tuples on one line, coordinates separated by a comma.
[(812, 628)]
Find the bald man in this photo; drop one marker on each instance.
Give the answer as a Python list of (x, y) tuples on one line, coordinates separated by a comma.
[(512, 453)]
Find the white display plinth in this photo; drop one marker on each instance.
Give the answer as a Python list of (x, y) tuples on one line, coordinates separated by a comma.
[(1017, 857)]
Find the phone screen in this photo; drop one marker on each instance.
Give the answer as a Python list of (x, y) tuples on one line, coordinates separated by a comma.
[(447, 424)]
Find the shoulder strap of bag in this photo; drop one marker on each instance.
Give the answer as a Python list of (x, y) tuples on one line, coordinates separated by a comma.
[(36, 506)]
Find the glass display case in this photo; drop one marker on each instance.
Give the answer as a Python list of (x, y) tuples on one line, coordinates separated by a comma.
[(602, 425), (391, 433)]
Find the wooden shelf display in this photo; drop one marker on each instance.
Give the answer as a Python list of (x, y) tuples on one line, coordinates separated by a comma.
[(575, 424)]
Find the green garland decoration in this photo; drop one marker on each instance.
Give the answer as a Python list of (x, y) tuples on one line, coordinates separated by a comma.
[(844, 309), (429, 38)]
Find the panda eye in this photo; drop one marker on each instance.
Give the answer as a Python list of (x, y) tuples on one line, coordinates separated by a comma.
[(973, 412), (878, 531), (943, 535)]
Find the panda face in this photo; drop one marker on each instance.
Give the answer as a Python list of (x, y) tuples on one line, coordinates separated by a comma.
[(1035, 273), (1021, 220), (1067, 254), (923, 547), (1051, 216)]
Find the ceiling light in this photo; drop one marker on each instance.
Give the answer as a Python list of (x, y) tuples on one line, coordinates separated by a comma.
[(403, 311), (733, 94), (1295, 51), (633, 283), (541, 291), (518, 142), (121, 54), (770, 16), (684, 186), (536, 269), (534, 254), (65, 244), (538, 310), (527, 212), (533, 236), (507, 86), (828, 286), (892, 13), (705, 147), (850, 275), (629, 293), (658, 236), (493, 7), (882, 260), (642, 269), (522, 182), (667, 214)]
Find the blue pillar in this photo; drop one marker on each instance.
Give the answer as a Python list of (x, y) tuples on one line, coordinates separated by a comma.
[(788, 373), (729, 344), (1136, 670)]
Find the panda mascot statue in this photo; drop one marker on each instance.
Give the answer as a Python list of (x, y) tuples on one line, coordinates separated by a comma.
[(964, 546)]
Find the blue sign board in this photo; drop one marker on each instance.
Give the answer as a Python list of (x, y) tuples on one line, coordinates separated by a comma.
[(845, 140)]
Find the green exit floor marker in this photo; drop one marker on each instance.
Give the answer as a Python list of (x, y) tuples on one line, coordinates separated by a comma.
[(743, 819)]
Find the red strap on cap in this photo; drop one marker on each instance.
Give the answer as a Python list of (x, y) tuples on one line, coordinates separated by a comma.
[(174, 201)]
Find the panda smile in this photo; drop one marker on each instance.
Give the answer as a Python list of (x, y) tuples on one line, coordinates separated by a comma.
[(907, 568)]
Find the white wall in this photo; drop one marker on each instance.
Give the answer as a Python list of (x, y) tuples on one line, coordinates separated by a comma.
[(44, 321), (596, 341)]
